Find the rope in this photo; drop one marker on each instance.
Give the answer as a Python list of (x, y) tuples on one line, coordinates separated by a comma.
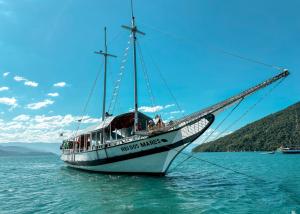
[(243, 115), (233, 170), (116, 89), (216, 49), (166, 85), (217, 165), (181, 163), (249, 109), (232, 110), (146, 76), (88, 100), (249, 59)]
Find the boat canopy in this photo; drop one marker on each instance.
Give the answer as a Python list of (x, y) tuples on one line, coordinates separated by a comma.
[(118, 122)]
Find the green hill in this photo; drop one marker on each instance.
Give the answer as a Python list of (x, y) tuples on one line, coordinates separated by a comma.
[(266, 134)]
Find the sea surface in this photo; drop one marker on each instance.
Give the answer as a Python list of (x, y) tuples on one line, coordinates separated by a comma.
[(43, 184)]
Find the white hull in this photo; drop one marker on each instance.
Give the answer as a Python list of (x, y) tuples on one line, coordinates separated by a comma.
[(152, 164), (151, 155)]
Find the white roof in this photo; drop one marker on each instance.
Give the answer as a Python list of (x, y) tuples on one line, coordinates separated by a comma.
[(101, 125)]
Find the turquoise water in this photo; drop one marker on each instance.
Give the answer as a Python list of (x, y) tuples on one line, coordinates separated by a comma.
[(42, 184)]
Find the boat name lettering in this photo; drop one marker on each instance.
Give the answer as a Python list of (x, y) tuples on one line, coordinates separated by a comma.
[(129, 147), (142, 144), (149, 143)]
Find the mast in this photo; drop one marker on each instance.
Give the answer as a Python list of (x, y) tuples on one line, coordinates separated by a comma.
[(105, 55), (134, 30)]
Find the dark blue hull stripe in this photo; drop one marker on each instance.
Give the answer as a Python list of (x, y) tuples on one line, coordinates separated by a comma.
[(142, 153)]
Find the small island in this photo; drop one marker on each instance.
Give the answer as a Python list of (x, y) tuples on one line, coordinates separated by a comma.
[(266, 134)]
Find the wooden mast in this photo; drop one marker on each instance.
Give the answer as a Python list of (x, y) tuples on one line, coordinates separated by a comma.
[(134, 30), (105, 55)]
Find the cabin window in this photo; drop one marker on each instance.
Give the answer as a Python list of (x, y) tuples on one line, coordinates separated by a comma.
[(94, 139), (98, 138)]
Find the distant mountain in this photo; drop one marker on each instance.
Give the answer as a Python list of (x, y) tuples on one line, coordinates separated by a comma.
[(266, 134), (43, 147), (20, 151)]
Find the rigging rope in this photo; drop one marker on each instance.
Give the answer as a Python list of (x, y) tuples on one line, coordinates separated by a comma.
[(181, 162), (218, 126), (215, 49), (166, 85), (88, 100), (146, 76), (217, 165), (242, 116), (189, 156), (249, 109), (119, 79)]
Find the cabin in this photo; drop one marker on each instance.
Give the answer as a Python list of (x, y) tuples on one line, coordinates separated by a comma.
[(114, 128)]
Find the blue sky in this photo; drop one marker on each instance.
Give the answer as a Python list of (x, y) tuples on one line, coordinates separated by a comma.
[(47, 64)]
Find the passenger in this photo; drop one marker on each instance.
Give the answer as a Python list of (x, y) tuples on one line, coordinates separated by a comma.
[(151, 125), (158, 122), (107, 114)]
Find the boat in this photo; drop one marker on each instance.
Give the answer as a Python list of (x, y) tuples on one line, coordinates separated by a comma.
[(133, 142), (268, 153), (290, 150)]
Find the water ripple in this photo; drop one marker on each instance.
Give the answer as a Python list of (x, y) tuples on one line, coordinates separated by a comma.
[(45, 185)]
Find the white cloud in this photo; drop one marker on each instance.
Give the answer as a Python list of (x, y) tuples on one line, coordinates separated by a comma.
[(53, 94), (38, 105), (22, 117), (4, 88), (149, 109), (31, 83), (26, 81), (60, 84), (177, 112), (8, 101), (5, 74), (153, 109), (19, 79), (169, 105), (41, 128)]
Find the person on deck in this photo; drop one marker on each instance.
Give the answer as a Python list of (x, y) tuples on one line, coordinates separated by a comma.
[(158, 122)]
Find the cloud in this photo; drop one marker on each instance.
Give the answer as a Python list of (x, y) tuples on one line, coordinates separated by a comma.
[(177, 112), (149, 109), (47, 128), (26, 81), (31, 83), (21, 118), (19, 79), (169, 105), (153, 109), (5, 74), (53, 94), (4, 88), (60, 84), (39, 105), (5, 10), (8, 101)]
